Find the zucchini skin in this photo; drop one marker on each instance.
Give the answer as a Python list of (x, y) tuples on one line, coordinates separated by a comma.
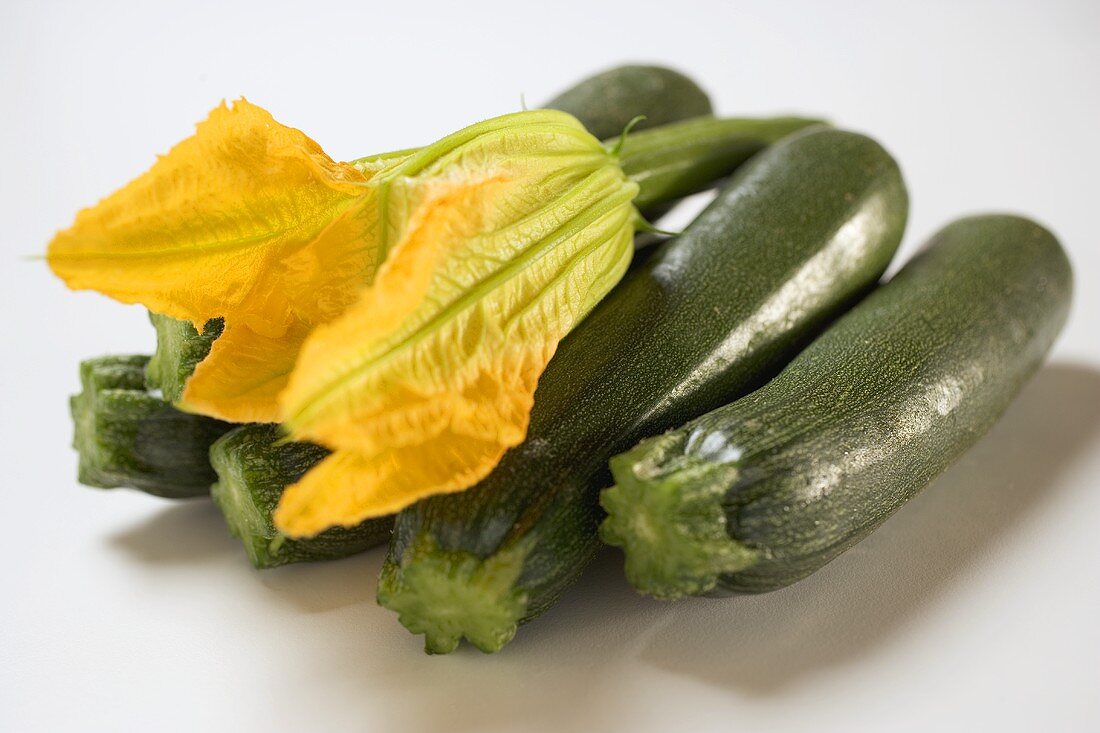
[(180, 347), (254, 464), (796, 236), (606, 102), (127, 437), (777, 484)]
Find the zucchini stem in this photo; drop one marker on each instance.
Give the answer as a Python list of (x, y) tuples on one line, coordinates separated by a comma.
[(180, 347), (682, 158), (666, 512), (254, 465), (127, 436), (450, 595)]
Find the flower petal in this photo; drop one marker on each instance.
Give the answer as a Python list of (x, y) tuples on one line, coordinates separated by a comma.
[(247, 220), (347, 487), (193, 236), (423, 384), (242, 376)]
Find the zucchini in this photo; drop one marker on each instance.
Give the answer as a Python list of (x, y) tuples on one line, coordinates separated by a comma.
[(254, 464), (607, 102), (180, 347), (128, 437), (761, 493), (792, 240)]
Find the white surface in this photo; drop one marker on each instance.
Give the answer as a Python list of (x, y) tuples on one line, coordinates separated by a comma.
[(974, 608)]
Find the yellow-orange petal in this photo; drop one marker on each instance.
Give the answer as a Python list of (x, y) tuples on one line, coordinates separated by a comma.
[(347, 488), (195, 235), (247, 220), (503, 247), (242, 376)]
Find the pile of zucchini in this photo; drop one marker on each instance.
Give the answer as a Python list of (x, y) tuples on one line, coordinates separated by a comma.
[(747, 403)]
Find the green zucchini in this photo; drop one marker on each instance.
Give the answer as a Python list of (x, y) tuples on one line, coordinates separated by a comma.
[(792, 240), (127, 437), (180, 347), (607, 102), (761, 493), (254, 464)]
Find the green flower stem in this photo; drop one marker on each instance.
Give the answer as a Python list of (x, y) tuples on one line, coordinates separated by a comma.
[(682, 158)]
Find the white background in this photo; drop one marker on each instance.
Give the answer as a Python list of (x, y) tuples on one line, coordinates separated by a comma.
[(976, 607)]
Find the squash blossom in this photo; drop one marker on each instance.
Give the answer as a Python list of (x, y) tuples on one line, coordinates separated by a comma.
[(249, 220), (397, 309)]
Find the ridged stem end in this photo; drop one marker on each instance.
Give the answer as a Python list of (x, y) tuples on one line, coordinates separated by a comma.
[(665, 511), (448, 596), (246, 520)]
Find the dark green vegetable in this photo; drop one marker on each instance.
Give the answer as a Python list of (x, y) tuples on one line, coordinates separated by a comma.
[(127, 437), (180, 347), (255, 464), (761, 493), (607, 102), (794, 238)]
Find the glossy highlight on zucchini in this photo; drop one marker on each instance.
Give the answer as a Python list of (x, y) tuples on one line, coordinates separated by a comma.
[(795, 237), (127, 437), (254, 464), (761, 493)]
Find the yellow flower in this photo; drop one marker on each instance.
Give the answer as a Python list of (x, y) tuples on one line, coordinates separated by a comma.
[(248, 220), (507, 234), (398, 309)]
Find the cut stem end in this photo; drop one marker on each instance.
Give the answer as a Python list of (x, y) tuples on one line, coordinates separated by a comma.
[(450, 595), (665, 511)]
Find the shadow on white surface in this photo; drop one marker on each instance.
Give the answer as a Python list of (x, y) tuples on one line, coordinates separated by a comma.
[(191, 531), (194, 533), (567, 666), (326, 586)]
